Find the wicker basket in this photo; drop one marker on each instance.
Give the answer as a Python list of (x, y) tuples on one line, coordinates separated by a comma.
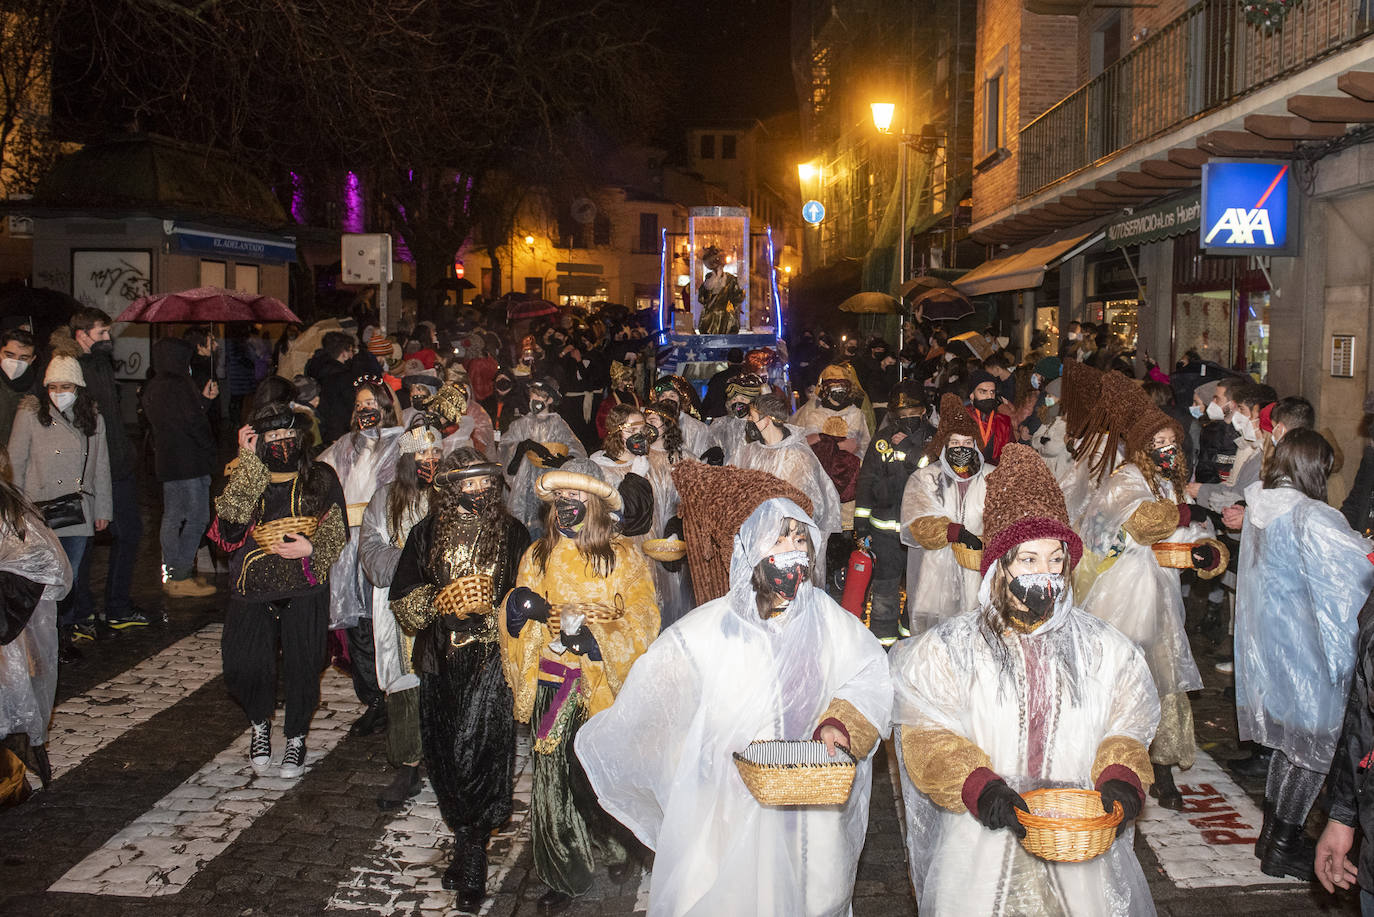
[(1177, 555), (787, 773), (665, 549), (555, 448), (595, 612), (269, 533), (967, 558), (466, 595), (1068, 825)]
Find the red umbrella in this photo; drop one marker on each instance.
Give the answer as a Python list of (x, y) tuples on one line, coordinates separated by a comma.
[(534, 308), (207, 304)]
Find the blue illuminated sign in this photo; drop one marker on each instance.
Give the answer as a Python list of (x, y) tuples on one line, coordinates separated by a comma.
[(1249, 206), (813, 212)]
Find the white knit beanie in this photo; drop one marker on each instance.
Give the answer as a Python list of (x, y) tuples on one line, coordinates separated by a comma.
[(62, 368)]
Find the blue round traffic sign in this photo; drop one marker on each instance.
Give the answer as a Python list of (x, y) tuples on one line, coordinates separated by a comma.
[(813, 212)]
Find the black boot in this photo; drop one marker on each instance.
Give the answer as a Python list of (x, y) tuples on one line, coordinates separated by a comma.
[(1164, 789), (472, 877), (404, 785), (1291, 853), (1214, 623), (554, 902), (1257, 765), (372, 721), (1266, 835)]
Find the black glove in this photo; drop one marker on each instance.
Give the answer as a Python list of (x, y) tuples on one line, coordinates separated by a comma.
[(583, 644), (554, 460), (969, 540), (714, 456), (1114, 791), (524, 604), (673, 528), (863, 527), (1205, 556), (997, 806), (538, 449), (464, 625), (525, 445)]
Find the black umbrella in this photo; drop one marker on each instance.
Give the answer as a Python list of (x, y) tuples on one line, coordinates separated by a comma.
[(942, 304)]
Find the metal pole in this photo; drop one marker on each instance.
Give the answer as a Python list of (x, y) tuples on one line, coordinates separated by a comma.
[(901, 262)]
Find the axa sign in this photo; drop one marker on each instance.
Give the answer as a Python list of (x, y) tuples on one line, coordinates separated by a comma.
[(1248, 206)]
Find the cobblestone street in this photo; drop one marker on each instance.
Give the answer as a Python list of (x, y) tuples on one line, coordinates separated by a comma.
[(154, 811)]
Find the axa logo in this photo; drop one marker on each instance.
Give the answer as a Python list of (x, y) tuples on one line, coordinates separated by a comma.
[(1244, 225)]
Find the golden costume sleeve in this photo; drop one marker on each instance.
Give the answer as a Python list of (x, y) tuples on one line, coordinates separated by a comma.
[(624, 640), (241, 494), (1152, 521), (416, 611), (863, 735), (939, 762), (1128, 753), (329, 539), (930, 532)]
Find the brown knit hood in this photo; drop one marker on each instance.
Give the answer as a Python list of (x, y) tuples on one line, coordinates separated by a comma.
[(954, 420), (1024, 503), (1081, 387), (1149, 423)]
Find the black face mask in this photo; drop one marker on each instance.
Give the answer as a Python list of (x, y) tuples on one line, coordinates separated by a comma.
[(282, 455), (835, 397), (571, 514), (752, 433), (638, 444), (104, 348), (962, 458), (368, 418), (426, 469), (502, 387), (786, 572), (986, 405), (670, 407), (911, 425), (477, 501), (738, 408), (1165, 459), (538, 407), (1038, 592)]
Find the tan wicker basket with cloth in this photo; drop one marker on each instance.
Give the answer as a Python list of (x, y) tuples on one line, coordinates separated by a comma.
[(355, 514), (665, 549), (966, 557), (779, 772), (595, 612), (269, 533), (467, 595), (1178, 555), (1067, 825)]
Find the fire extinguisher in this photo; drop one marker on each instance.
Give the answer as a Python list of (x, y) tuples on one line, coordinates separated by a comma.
[(858, 574)]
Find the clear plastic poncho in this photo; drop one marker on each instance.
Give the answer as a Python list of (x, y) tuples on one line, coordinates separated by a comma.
[(1123, 584), (548, 427), (949, 679), (811, 418), (728, 433), (696, 436), (792, 460), (1079, 484), (937, 587), (1302, 579), (378, 556), (363, 464), (28, 663), (660, 757)]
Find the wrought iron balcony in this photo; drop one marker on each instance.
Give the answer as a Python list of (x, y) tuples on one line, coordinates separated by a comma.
[(1202, 61)]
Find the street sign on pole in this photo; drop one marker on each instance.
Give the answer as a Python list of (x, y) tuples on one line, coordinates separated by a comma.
[(813, 212), (366, 260)]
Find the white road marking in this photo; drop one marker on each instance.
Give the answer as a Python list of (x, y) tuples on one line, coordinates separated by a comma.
[(1211, 842), (161, 850), (83, 725)]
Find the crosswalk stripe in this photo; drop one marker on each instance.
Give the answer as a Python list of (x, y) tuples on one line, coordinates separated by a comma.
[(161, 850), (402, 872), (83, 725), (1211, 842)]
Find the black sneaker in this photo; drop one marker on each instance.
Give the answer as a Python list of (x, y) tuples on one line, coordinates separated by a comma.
[(84, 630), (260, 747), (136, 617), (293, 762)]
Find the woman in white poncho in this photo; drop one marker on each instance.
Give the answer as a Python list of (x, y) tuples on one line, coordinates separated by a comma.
[(772, 445), (725, 675), (1026, 691), (533, 444), (1302, 580)]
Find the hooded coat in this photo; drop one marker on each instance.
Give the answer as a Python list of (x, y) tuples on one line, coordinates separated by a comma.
[(183, 444), (937, 586), (660, 759)]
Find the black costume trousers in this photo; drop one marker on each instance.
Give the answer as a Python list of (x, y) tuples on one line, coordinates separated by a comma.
[(467, 727), (362, 655), (249, 650)]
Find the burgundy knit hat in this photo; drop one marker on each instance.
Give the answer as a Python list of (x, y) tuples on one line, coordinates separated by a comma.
[(1024, 503), (954, 420)]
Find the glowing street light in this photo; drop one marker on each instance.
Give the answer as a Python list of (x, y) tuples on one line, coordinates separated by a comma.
[(806, 171), (529, 240), (882, 116)]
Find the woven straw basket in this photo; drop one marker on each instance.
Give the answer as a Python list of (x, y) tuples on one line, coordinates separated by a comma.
[(967, 558), (665, 549), (594, 612), (789, 773), (1175, 554), (267, 534), (466, 595), (555, 448), (1068, 825)]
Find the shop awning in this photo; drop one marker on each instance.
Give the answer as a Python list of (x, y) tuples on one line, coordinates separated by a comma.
[(1023, 270)]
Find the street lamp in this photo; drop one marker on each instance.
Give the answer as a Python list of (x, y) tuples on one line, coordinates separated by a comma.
[(882, 119), (529, 240), (806, 171), (882, 116)]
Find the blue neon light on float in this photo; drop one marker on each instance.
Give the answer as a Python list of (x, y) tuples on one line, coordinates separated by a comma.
[(773, 279), (1249, 206), (662, 278)]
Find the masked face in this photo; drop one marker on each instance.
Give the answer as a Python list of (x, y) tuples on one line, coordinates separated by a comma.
[(105, 347), (1242, 424), (911, 425), (835, 395), (14, 367), (738, 408), (478, 501), (752, 432), (638, 443), (571, 515), (963, 459), (1215, 411), (786, 572), (1036, 381), (503, 386), (670, 405), (368, 418), (1038, 592), (1197, 411), (985, 405), (538, 404), (426, 468), (1165, 458), (63, 400), (282, 455)]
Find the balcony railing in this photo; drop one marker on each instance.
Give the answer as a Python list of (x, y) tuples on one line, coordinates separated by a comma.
[(1204, 60)]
